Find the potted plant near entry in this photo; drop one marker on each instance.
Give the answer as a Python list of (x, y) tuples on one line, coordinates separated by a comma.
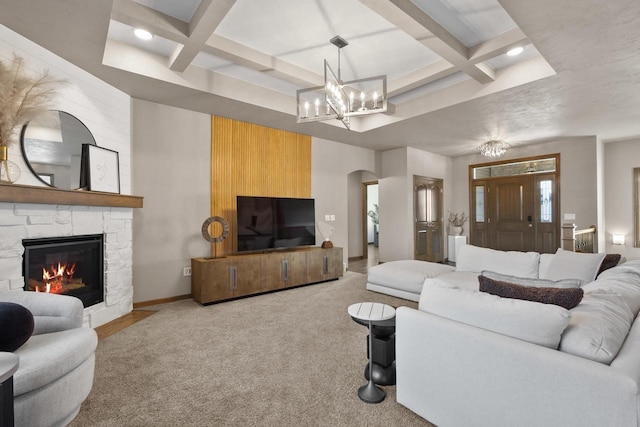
[(456, 223), (373, 214)]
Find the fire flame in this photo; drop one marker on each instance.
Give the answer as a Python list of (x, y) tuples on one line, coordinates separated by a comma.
[(55, 278)]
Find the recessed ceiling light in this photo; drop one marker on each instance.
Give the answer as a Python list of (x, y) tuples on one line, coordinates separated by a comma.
[(515, 51), (142, 34)]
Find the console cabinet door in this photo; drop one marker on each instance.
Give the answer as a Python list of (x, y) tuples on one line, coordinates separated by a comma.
[(324, 264), (210, 280), (283, 270), (247, 275), (225, 278)]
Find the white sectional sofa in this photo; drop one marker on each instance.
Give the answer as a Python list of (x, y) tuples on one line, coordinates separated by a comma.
[(470, 358)]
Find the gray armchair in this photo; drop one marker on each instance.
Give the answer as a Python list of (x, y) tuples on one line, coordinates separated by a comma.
[(55, 374)]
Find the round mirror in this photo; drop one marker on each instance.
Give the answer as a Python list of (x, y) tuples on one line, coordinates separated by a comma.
[(52, 148)]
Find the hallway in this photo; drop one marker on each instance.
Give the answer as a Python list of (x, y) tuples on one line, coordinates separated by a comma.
[(360, 265)]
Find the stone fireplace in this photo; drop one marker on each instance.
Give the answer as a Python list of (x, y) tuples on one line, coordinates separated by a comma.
[(85, 215), (69, 265)]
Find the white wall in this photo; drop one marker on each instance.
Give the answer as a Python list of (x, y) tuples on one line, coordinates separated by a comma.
[(395, 206), (171, 153), (104, 109), (578, 176), (620, 159), (396, 197), (331, 164)]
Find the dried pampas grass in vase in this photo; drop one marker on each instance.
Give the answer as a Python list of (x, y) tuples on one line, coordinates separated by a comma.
[(22, 97)]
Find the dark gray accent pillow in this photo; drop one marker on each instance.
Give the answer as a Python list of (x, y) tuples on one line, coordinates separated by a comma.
[(16, 326), (537, 283), (564, 297), (609, 261)]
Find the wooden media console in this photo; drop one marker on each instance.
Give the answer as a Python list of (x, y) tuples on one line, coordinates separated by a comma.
[(220, 279)]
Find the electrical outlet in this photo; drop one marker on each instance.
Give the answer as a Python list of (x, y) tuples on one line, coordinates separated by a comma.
[(327, 217), (186, 271), (333, 218)]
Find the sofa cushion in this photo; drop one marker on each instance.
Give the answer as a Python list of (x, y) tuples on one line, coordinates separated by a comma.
[(406, 275), (16, 326), (545, 261), (536, 283), (474, 258), (573, 265), (567, 297), (457, 279), (623, 280), (598, 327), (536, 323)]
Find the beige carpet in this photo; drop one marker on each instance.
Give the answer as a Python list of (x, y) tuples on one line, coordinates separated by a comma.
[(291, 358)]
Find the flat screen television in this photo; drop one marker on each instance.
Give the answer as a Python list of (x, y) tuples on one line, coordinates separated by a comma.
[(270, 223)]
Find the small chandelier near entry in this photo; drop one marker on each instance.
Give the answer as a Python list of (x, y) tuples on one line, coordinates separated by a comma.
[(493, 148), (341, 100)]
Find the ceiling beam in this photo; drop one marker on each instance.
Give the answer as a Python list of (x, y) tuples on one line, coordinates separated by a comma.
[(260, 61), (408, 17), (420, 77), (135, 15), (204, 22)]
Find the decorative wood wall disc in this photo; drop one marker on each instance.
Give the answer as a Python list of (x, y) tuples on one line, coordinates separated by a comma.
[(205, 229)]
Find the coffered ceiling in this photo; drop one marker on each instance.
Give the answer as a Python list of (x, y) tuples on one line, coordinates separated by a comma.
[(451, 84)]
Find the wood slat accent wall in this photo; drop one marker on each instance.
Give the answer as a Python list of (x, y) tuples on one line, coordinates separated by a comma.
[(253, 160)]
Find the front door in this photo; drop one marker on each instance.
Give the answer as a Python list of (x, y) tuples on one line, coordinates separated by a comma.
[(428, 210), (515, 213), (511, 214)]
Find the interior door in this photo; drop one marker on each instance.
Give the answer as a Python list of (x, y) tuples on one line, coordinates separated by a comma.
[(428, 210)]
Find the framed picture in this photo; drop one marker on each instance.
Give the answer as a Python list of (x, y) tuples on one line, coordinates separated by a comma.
[(101, 169)]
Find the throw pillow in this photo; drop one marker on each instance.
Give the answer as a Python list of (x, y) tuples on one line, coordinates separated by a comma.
[(566, 298), (598, 327), (573, 265), (16, 326), (536, 283), (536, 323), (609, 261)]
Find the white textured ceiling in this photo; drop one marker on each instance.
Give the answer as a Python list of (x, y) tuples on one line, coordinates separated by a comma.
[(451, 84)]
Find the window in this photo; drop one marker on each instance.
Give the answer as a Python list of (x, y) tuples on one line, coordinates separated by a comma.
[(526, 167), (546, 201), (479, 203)]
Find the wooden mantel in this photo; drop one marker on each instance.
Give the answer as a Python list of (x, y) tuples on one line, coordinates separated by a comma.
[(15, 193)]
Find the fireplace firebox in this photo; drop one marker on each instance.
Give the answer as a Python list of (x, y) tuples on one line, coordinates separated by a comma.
[(72, 265)]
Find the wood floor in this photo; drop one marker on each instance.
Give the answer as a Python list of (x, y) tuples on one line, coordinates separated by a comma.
[(121, 323), (362, 265)]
